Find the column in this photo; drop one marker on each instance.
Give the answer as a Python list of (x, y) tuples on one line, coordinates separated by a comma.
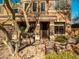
[(51, 30)]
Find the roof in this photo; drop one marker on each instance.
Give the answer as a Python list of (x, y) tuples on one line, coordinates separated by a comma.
[(75, 25)]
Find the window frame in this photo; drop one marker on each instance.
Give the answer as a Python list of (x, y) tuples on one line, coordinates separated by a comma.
[(41, 6), (53, 2), (24, 5), (17, 9), (32, 27), (36, 8), (60, 24)]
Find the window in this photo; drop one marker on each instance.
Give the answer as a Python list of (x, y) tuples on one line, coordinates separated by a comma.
[(34, 7), (15, 7), (15, 1), (62, 4), (59, 28), (43, 6), (22, 25), (32, 27), (15, 10), (26, 5), (53, 4)]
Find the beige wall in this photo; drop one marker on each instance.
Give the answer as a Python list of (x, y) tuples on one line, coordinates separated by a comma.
[(47, 14), (3, 13)]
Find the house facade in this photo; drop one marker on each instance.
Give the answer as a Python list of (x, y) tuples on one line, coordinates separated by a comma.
[(48, 16), (75, 29)]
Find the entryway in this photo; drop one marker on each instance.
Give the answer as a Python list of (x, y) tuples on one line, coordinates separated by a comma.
[(44, 29)]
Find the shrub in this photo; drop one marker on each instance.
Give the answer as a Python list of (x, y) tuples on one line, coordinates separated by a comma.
[(77, 39), (61, 39), (62, 55)]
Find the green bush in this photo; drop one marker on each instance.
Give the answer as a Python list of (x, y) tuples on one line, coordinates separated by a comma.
[(77, 38), (22, 28), (62, 55), (61, 39)]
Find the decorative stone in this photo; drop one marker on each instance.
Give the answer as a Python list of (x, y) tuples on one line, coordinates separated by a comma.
[(37, 37)]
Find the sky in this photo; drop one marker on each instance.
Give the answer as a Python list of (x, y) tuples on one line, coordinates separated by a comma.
[(1, 1), (74, 8), (13, 1)]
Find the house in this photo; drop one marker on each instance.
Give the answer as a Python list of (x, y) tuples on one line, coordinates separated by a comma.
[(49, 17), (75, 26), (75, 29)]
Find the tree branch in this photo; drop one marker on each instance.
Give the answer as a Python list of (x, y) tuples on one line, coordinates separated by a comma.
[(25, 15)]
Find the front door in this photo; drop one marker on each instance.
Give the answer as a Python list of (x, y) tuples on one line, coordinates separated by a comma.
[(44, 29)]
